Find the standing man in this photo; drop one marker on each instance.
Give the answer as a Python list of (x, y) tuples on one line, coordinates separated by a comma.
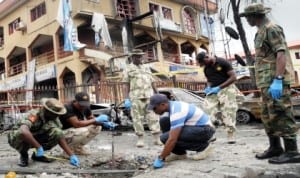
[(141, 87), (41, 129), (186, 128), (220, 91), (274, 74), (80, 125)]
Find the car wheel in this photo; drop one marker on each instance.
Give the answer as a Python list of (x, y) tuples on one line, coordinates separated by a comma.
[(243, 117)]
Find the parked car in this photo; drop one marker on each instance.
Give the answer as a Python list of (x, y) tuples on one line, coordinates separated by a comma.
[(250, 107), (181, 94)]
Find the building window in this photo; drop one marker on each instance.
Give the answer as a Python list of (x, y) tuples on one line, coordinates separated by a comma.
[(167, 13), (13, 25), (38, 11), (297, 55), (153, 7), (126, 8), (189, 21), (164, 12)]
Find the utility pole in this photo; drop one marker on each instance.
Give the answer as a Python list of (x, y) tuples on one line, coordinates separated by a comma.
[(127, 27)]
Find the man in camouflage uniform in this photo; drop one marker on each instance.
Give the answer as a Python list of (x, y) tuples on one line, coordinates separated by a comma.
[(41, 129), (220, 91), (140, 89), (274, 74)]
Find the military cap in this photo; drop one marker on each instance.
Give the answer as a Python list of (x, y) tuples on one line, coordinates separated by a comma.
[(255, 8), (137, 52), (53, 105)]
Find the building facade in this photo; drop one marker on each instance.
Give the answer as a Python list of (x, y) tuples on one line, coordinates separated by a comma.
[(32, 41)]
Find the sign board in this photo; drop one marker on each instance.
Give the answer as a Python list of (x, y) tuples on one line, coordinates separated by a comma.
[(15, 83), (45, 73)]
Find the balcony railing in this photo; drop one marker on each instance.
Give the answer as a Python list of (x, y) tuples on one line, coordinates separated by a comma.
[(62, 53), (44, 58), (17, 68)]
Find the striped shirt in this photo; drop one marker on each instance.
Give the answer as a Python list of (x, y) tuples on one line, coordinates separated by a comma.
[(182, 114)]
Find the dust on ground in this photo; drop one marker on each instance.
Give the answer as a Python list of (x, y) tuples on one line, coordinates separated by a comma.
[(235, 160)]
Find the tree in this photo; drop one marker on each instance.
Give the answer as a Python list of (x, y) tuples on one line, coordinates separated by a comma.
[(250, 61)]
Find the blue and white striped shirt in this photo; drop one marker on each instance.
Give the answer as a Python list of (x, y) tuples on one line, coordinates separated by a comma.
[(182, 114)]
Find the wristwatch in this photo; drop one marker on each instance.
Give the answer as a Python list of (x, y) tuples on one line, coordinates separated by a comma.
[(279, 77)]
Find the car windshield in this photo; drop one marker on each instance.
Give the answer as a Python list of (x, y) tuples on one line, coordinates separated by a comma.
[(188, 97)]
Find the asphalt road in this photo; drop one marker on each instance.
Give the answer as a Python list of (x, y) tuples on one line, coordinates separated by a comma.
[(226, 160)]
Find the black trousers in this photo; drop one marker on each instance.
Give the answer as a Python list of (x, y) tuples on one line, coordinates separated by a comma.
[(193, 138)]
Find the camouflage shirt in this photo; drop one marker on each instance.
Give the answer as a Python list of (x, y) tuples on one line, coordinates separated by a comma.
[(37, 124), (270, 39), (140, 80)]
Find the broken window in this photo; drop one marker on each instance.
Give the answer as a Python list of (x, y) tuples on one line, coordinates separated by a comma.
[(38, 11), (126, 8)]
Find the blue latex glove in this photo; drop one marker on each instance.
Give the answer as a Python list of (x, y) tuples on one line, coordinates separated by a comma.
[(102, 118), (39, 152), (207, 90), (276, 89), (214, 90), (109, 125), (127, 104), (158, 163), (74, 160)]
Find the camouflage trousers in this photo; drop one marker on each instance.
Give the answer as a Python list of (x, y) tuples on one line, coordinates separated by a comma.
[(224, 102), (277, 115), (47, 140), (140, 114), (78, 137)]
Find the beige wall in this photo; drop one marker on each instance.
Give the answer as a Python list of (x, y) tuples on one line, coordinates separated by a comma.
[(48, 25)]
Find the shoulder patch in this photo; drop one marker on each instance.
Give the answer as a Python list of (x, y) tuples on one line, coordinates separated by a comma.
[(32, 118)]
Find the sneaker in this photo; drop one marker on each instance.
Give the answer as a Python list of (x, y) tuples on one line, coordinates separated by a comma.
[(173, 157), (231, 138), (203, 154), (212, 139)]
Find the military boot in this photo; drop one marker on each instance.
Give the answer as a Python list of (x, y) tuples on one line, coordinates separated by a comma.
[(140, 142), (156, 138), (290, 155), (231, 138), (23, 159), (275, 149)]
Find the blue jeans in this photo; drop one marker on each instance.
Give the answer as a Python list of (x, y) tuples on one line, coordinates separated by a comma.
[(193, 138)]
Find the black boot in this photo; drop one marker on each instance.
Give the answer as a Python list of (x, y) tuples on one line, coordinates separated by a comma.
[(42, 158), (290, 155), (275, 149), (23, 159)]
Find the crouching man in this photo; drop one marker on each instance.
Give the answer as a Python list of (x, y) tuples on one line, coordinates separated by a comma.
[(79, 124), (187, 128), (41, 129)]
